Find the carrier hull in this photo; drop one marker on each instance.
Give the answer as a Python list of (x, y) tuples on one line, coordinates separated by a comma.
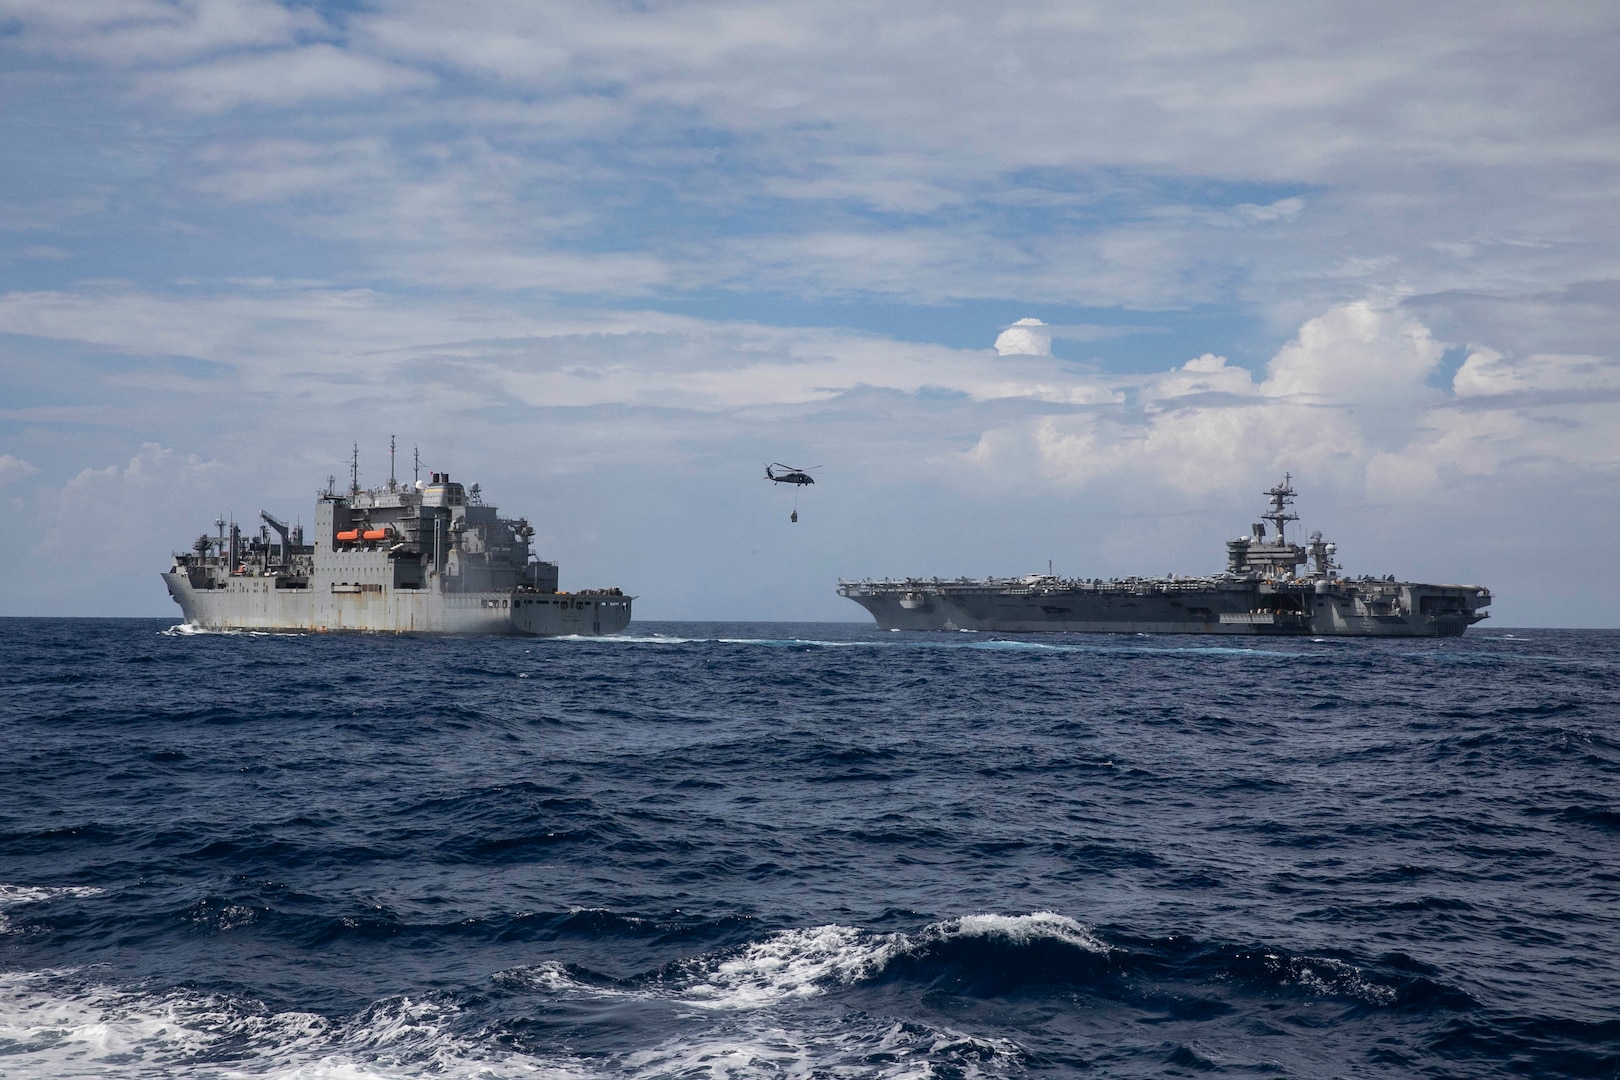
[(1263, 591), (1168, 608)]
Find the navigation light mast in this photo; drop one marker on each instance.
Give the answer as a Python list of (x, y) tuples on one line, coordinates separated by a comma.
[(1281, 496)]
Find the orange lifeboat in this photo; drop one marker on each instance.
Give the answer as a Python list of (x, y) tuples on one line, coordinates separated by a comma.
[(374, 534), (348, 536)]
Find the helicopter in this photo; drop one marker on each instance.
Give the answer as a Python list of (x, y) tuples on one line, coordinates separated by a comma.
[(790, 475)]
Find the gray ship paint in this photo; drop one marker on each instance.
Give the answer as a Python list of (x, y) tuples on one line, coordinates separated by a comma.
[(1262, 591), (404, 558)]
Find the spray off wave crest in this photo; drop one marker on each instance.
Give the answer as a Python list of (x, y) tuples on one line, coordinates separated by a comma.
[(801, 963), (809, 962)]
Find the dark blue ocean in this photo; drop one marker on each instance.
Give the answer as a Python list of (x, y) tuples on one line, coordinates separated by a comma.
[(806, 850)]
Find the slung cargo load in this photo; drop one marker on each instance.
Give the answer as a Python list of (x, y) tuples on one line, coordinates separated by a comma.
[(1269, 586), (423, 557)]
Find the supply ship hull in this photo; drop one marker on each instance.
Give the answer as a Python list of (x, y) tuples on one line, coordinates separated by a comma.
[(411, 558), (1259, 593)]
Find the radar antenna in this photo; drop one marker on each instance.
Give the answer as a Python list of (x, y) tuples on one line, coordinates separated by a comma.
[(1281, 496), (354, 472)]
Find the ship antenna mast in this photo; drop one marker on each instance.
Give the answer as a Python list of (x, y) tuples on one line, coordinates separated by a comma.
[(392, 485), (354, 471), (1281, 496), (416, 464)]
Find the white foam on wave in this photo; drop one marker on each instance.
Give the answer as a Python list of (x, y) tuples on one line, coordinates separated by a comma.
[(54, 1024), (1020, 930), (1329, 977), (805, 963), (900, 1051), (16, 895), (551, 977), (791, 964), (187, 629), (52, 1029), (193, 630)]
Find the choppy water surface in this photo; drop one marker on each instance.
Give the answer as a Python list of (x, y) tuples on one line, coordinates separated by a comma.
[(706, 850)]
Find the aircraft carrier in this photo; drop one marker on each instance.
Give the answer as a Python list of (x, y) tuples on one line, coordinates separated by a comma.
[(420, 557), (1269, 586)]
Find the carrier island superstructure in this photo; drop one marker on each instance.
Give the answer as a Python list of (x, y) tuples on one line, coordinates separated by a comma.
[(1269, 586), (419, 557)]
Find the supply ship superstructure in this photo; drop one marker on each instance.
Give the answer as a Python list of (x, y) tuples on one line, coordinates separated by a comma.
[(1263, 590), (420, 557)]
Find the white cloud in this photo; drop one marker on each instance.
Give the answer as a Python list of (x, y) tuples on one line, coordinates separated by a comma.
[(1281, 210), (1345, 399), (1026, 337), (1487, 372), (285, 77), (150, 31), (104, 534), (1359, 352), (13, 469), (912, 144), (273, 170), (1206, 374)]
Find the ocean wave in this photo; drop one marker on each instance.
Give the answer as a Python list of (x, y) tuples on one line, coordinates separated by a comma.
[(52, 1026), (901, 1051), (194, 630), (811, 961), (12, 896), (1111, 645)]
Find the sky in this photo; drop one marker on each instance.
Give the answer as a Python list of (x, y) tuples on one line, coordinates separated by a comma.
[(1034, 284)]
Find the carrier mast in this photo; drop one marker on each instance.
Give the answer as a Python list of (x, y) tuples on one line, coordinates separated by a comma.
[(1281, 496)]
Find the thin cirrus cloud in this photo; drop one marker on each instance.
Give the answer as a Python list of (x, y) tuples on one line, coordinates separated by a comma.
[(283, 78), (152, 32)]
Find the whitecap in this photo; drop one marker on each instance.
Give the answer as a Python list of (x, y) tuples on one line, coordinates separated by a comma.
[(15, 895)]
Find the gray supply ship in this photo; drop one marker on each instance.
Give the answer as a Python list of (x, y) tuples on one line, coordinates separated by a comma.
[(422, 557), (1262, 591)]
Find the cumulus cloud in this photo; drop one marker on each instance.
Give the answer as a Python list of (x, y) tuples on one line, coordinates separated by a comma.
[(1026, 337), (1359, 352), (104, 533), (1206, 374), (13, 469), (1347, 398)]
